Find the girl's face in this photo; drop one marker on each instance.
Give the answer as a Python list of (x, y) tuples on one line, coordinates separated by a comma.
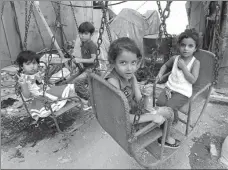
[(30, 67), (187, 47), (126, 64)]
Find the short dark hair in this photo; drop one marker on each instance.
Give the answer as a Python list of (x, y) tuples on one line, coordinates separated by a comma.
[(120, 44), (189, 33), (25, 56), (86, 27)]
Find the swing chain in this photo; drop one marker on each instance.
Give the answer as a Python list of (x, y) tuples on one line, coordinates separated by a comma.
[(162, 29), (216, 48), (27, 22), (163, 16), (26, 12), (3, 4), (106, 23), (138, 111), (34, 16), (99, 40), (74, 16)]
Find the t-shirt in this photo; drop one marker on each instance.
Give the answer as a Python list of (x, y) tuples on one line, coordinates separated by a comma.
[(125, 87), (88, 48)]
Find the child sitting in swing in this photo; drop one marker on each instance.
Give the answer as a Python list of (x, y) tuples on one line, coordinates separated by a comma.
[(124, 56), (31, 81), (185, 70)]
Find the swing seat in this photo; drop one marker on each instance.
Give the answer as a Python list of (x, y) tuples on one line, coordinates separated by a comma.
[(111, 109), (73, 102), (201, 90)]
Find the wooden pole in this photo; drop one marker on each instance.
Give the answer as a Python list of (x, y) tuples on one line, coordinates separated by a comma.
[(36, 4), (4, 30)]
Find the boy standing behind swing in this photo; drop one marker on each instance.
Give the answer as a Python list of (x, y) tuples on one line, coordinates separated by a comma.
[(88, 54), (88, 47)]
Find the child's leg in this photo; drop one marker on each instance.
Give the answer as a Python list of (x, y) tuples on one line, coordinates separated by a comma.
[(167, 113), (176, 101), (162, 99)]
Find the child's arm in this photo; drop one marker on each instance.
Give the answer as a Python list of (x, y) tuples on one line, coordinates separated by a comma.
[(192, 75), (24, 87), (136, 89), (93, 50), (83, 60), (156, 118), (165, 66)]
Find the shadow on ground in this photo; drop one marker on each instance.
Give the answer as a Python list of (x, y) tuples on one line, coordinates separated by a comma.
[(18, 131)]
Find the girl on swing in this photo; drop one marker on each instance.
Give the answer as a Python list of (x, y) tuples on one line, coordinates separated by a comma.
[(185, 70), (124, 56), (31, 81)]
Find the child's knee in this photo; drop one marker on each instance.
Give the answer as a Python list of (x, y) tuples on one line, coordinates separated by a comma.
[(166, 112), (161, 100)]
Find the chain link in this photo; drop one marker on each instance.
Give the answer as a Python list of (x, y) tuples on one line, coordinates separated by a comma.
[(162, 29), (216, 47), (3, 4), (46, 75), (27, 22), (76, 23), (38, 28), (26, 12), (107, 24), (99, 40)]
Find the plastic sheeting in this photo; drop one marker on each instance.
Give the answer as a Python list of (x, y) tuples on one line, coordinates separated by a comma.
[(134, 25), (128, 23)]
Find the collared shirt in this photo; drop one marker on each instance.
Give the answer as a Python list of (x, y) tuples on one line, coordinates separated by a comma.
[(88, 48), (125, 86)]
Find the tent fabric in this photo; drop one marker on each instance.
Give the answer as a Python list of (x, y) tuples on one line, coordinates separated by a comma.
[(128, 23), (134, 25)]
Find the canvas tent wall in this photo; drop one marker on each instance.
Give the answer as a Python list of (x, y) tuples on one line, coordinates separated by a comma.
[(12, 25), (197, 12), (132, 24)]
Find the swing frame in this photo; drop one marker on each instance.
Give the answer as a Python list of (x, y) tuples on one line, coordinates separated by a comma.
[(74, 100), (112, 114)]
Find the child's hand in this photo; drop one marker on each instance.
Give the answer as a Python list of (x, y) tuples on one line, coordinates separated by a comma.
[(21, 80), (158, 78), (147, 90), (181, 64), (158, 119), (77, 60)]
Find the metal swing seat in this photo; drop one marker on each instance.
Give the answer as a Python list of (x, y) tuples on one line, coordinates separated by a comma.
[(195, 107), (112, 112), (111, 109), (72, 102)]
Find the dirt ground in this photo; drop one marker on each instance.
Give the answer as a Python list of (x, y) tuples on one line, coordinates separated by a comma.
[(42, 147), (91, 147)]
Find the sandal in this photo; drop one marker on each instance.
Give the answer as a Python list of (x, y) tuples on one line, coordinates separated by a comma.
[(168, 145)]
